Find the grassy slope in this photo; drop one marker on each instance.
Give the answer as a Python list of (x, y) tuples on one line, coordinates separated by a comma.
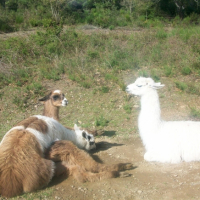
[(92, 67)]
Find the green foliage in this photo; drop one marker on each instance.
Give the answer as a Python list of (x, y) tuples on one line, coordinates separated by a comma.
[(154, 75), (161, 34), (104, 89), (127, 108), (21, 101), (168, 71), (193, 89), (195, 113), (101, 121), (143, 73), (5, 27), (182, 86), (186, 71), (35, 89)]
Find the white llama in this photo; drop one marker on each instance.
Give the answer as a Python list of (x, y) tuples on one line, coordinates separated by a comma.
[(164, 141)]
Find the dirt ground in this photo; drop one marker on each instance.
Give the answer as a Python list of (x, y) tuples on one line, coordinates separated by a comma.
[(147, 180)]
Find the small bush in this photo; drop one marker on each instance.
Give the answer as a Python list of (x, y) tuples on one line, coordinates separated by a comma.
[(161, 34), (168, 71), (155, 76), (182, 86), (93, 54), (193, 89), (101, 121), (21, 101), (143, 73), (186, 71), (104, 89), (19, 19), (195, 113), (36, 88), (127, 108)]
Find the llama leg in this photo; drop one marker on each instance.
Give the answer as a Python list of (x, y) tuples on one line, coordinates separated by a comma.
[(40, 176), (61, 168), (67, 151), (81, 175)]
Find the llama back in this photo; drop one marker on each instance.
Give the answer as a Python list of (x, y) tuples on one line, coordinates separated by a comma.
[(16, 163)]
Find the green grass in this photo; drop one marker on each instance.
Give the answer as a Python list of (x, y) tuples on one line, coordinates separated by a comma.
[(181, 85), (127, 108), (195, 113), (101, 121)]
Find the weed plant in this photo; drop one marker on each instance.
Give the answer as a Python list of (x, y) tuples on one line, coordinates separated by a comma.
[(101, 121), (180, 85), (128, 108), (195, 113)]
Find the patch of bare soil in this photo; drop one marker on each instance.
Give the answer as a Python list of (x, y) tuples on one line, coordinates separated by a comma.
[(147, 180)]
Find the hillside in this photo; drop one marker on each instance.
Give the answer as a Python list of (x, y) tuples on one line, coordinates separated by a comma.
[(92, 67)]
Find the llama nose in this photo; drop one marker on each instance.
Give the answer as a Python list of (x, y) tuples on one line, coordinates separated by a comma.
[(91, 143), (65, 101)]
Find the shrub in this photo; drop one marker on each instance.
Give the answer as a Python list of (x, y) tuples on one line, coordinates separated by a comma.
[(104, 89), (195, 113), (101, 121), (186, 71), (182, 86), (168, 71), (127, 108)]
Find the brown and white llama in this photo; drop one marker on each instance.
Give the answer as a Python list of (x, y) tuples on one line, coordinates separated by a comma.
[(52, 103), (25, 168)]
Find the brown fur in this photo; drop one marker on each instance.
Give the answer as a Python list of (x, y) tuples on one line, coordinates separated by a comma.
[(27, 122), (34, 123), (81, 165), (22, 166)]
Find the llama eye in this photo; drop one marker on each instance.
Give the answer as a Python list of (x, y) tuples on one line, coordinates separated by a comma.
[(56, 97), (89, 137)]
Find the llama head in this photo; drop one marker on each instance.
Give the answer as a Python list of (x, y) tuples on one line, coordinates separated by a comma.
[(56, 97), (84, 139), (142, 85)]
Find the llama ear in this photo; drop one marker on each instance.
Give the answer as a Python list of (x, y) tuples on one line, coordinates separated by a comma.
[(76, 128), (45, 97), (158, 85), (84, 134)]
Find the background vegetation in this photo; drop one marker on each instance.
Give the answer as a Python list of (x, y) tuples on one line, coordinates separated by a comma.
[(160, 39)]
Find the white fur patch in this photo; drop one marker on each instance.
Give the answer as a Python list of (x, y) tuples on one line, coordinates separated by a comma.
[(57, 91)]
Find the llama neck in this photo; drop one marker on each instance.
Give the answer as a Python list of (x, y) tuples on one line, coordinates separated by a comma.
[(71, 135), (149, 118), (51, 111)]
